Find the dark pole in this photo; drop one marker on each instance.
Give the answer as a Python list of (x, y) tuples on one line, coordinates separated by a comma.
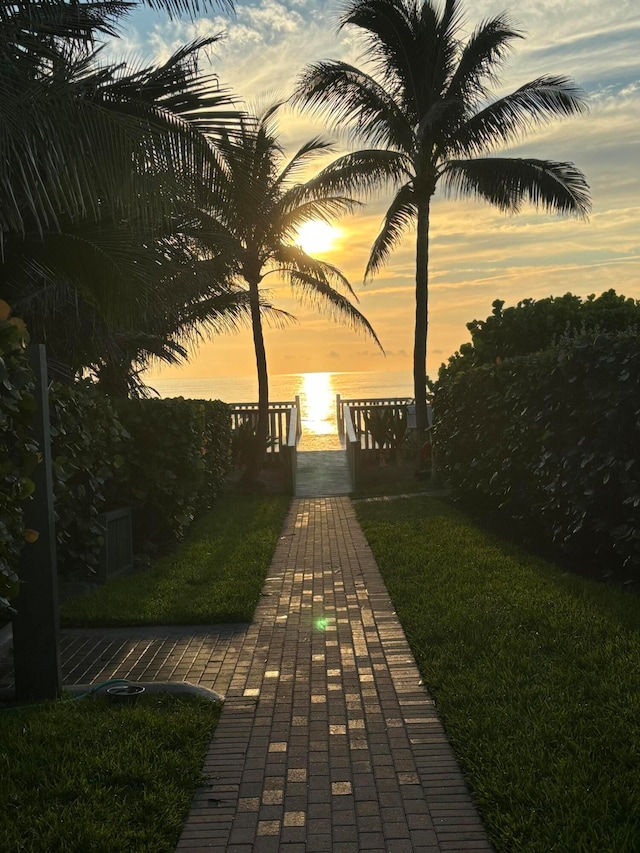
[(36, 640)]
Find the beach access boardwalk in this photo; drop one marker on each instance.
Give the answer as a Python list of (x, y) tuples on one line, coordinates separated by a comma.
[(328, 740), (322, 467)]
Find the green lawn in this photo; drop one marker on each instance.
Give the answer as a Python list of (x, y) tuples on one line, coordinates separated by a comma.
[(80, 776), (215, 575), (536, 674)]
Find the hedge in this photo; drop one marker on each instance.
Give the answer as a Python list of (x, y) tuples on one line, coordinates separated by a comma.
[(87, 446), (18, 454), (552, 439), (167, 459), (176, 463)]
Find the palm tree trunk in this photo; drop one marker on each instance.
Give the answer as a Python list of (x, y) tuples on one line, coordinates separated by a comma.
[(257, 456), (422, 316)]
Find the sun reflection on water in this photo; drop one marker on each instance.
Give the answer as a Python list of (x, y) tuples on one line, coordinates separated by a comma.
[(318, 403), (318, 409)]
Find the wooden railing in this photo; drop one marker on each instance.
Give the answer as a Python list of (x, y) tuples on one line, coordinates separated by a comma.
[(359, 408), (290, 449), (352, 443), (280, 414)]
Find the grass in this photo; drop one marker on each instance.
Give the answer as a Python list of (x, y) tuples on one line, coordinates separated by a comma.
[(215, 575), (399, 487), (535, 674), (80, 776)]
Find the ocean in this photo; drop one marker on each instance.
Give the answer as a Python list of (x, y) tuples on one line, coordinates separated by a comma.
[(317, 392)]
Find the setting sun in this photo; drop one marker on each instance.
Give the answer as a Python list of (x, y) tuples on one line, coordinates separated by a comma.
[(317, 237)]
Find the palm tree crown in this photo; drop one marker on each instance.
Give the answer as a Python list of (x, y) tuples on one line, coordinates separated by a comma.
[(427, 110)]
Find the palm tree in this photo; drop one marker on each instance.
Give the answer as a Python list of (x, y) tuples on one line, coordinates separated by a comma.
[(69, 146), (426, 108), (108, 302), (93, 251), (255, 223)]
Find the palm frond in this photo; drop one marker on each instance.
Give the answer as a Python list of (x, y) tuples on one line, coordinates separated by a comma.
[(400, 215), (480, 59), (191, 8), (506, 120), (290, 213), (388, 28), (345, 96), (310, 149), (363, 172), (508, 182), (276, 318), (28, 28), (180, 88), (295, 258), (319, 294)]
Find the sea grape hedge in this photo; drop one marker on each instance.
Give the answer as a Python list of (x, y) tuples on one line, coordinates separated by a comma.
[(553, 439), (87, 443)]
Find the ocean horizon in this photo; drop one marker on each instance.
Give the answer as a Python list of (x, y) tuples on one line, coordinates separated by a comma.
[(317, 392), (285, 386)]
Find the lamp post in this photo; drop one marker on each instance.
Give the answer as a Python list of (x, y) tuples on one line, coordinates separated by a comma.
[(36, 633)]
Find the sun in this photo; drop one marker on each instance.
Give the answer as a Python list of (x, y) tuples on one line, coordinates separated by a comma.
[(316, 237)]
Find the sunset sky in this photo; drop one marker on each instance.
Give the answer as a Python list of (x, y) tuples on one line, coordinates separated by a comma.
[(477, 254)]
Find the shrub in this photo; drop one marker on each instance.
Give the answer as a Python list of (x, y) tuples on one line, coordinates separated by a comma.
[(87, 444), (553, 438), (217, 447), (386, 427), (534, 325), (176, 462), (169, 462), (18, 454)]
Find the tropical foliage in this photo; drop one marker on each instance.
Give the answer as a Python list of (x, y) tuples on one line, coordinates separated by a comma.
[(552, 439), (101, 167), (533, 325), (386, 426), (427, 109), (106, 454), (18, 453), (175, 472), (87, 443)]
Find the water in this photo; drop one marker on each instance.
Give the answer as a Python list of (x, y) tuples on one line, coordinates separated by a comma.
[(317, 392)]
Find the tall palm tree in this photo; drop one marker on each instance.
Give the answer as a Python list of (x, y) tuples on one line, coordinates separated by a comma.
[(255, 224), (427, 108)]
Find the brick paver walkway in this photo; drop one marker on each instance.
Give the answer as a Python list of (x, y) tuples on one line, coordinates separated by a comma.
[(328, 741), (205, 655)]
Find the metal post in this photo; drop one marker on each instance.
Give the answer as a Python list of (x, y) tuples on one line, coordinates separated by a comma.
[(36, 633)]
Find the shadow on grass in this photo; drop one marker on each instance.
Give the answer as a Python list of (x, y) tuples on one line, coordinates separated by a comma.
[(214, 576)]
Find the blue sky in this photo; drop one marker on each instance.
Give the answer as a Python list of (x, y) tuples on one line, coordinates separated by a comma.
[(477, 254)]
